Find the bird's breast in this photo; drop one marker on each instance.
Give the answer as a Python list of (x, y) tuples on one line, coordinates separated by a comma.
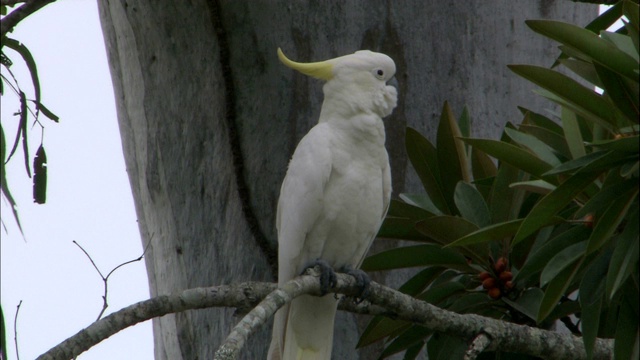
[(353, 208)]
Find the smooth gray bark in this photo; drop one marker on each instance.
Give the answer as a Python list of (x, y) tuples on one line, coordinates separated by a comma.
[(209, 119)]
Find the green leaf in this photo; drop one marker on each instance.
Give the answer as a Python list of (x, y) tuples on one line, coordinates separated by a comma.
[(625, 255), (483, 168), (471, 204), (379, 328), (557, 142), (45, 111), (626, 340), (421, 280), (464, 123), (451, 155), (556, 289), (40, 176), (583, 99), (511, 154), (628, 169), (424, 158), (418, 255), (623, 93), (4, 185), (611, 190), (573, 134), (622, 42), (470, 302), (414, 335), (565, 307), (588, 43), (402, 209), (533, 118), (584, 69), (627, 144), (437, 294), (503, 203), (606, 19), (535, 186), (528, 302), (607, 224), (495, 232), (561, 261), (591, 296), (446, 229), (413, 352), (540, 257), (553, 203), (23, 131), (422, 201), (578, 163), (631, 11), (3, 148), (29, 61), (445, 347), (400, 228), (537, 147)]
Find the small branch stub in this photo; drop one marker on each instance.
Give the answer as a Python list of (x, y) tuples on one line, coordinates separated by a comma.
[(478, 345)]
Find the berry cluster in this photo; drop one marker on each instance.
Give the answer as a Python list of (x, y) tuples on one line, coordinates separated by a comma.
[(499, 283)]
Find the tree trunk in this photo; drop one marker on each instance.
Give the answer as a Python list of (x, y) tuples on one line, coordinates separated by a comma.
[(209, 119)]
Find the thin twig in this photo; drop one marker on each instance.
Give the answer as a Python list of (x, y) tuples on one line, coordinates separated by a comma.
[(90, 259), (10, 2), (105, 279), (15, 330), (29, 7)]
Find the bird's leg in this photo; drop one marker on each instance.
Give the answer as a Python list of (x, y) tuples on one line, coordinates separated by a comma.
[(328, 278), (362, 281)]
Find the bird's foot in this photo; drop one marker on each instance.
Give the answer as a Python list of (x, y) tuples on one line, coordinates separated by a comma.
[(328, 278), (362, 281)]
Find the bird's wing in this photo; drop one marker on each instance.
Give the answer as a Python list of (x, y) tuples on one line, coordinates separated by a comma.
[(386, 200), (299, 207), (301, 199)]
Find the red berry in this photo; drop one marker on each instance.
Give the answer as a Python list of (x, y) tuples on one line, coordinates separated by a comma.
[(484, 275), (587, 220), (508, 285), (489, 283), (506, 276), (500, 265), (495, 293)]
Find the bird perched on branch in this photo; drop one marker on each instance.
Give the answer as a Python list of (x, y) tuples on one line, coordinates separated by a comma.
[(334, 196)]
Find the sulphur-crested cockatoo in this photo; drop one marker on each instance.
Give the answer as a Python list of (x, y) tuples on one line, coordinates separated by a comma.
[(335, 194)]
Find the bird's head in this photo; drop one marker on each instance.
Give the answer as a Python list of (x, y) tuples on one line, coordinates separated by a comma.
[(355, 82)]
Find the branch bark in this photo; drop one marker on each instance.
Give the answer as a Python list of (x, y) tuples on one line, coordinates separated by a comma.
[(382, 301), (29, 7)]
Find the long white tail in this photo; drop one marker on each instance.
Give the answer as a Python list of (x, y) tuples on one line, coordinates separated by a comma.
[(304, 329)]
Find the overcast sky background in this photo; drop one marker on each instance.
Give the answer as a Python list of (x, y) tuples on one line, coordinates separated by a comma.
[(88, 200)]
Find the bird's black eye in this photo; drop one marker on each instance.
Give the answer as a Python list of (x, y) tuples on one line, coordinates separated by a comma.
[(380, 72)]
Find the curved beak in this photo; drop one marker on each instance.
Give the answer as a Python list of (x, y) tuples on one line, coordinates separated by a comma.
[(322, 70)]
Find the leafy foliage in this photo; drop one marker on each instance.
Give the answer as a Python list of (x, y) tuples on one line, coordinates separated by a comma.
[(549, 233), (23, 128)]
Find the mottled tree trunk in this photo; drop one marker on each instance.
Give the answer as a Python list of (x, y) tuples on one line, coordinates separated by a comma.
[(209, 119)]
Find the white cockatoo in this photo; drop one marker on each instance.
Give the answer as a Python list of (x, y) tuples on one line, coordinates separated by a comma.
[(335, 194)]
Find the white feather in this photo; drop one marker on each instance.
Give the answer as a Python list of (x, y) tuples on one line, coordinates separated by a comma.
[(334, 197)]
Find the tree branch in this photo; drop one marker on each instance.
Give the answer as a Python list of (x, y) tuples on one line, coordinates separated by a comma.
[(29, 7), (383, 301)]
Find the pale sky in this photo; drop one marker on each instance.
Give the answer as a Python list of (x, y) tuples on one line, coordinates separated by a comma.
[(88, 199)]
